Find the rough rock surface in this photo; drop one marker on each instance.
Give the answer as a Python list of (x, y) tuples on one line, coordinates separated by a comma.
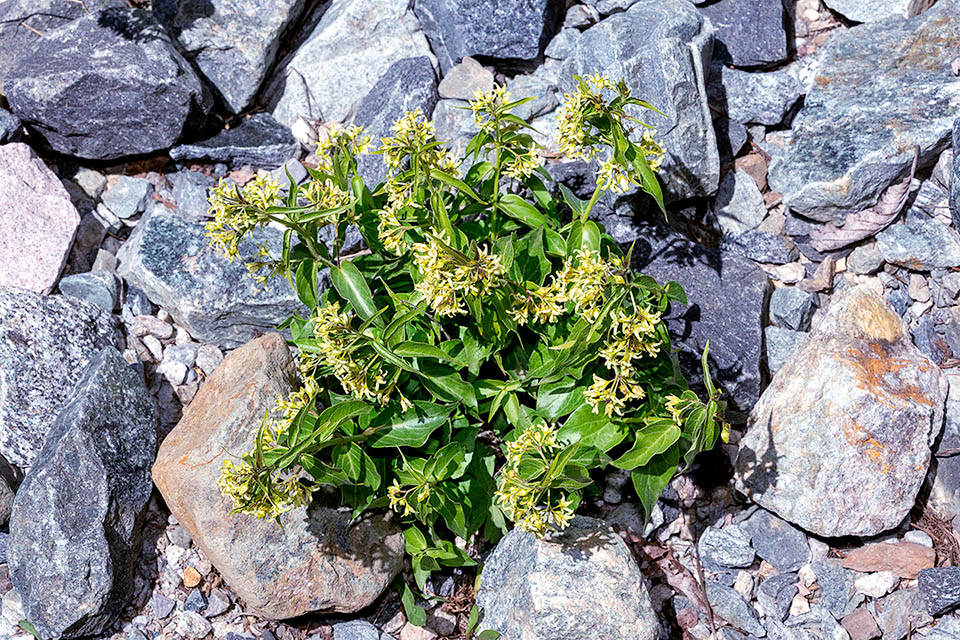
[(762, 98), (739, 205), (37, 221), (259, 141), (921, 244), (170, 259), (77, 518), (45, 341), (940, 589), (870, 10), (318, 560), (506, 29), (107, 85), (350, 49), (944, 475), (955, 176), (662, 48), (407, 85), (880, 90), (579, 583), (750, 33), (10, 127), (845, 452), (232, 42)]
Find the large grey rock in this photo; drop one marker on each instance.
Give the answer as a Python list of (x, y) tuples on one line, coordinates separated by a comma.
[(758, 98), (128, 196), (730, 606), (837, 592), (232, 42), (45, 342), (581, 582), (10, 127), (750, 33), (350, 49), (725, 548), (940, 588), (505, 29), (791, 307), (739, 205), (107, 85), (900, 612), (77, 518), (761, 246), (259, 141), (170, 258), (780, 544), (407, 85), (727, 295), (870, 10), (780, 345), (98, 287), (776, 593), (955, 176), (662, 49), (881, 89), (921, 244), (844, 451), (944, 474)]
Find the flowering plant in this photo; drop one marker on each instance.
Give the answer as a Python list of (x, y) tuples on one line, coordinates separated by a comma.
[(487, 351)]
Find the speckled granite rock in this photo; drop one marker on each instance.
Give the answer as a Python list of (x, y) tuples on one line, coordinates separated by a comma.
[(662, 48), (170, 259), (232, 42), (763, 98), (750, 33), (78, 516), (955, 176), (37, 221), (319, 560), (845, 452), (579, 583), (259, 141), (880, 89), (921, 244), (10, 127), (944, 474), (107, 85), (870, 10), (45, 341)]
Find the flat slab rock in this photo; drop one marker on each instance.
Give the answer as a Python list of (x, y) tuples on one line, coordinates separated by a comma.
[(319, 560), (37, 221), (581, 582), (844, 452), (78, 516), (880, 90), (259, 141), (45, 342), (170, 258)]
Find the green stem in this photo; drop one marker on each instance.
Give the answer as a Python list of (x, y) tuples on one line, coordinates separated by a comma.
[(593, 200)]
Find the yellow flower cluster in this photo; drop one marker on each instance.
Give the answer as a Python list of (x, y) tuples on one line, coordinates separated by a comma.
[(519, 497), (448, 277), (391, 231), (351, 139), (326, 195), (486, 104), (400, 496), (237, 210), (253, 492), (572, 126)]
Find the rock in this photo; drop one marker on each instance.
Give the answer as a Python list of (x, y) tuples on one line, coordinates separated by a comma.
[(662, 49), (792, 308), (407, 85), (776, 593), (233, 43), (78, 516), (355, 630), (776, 541), (919, 537), (562, 44), (45, 342), (725, 548), (37, 221), (876, 585), (870, 10), (579, 582), (730, 606), (955, 177), (940, 589), (865, 259), (944, 474), (463, 80), (96, 287), (319, 560), (920, 244), (454, 125), (780, 345), (761, 246), (861, 625), (727, 295), (10, 127), (169, 258), (903, 559), (541, 85), (838, 593), (845, 452), (731, 136), (162, 605), (880, 89), (259, 141), (750, 33), (739, 206), (503, 29), (191, 190), (217, 604), (192, 625), (348, 52), (763, 98), (10, 478), (107, 85), (815, 624), (947, 628), (899, 612), (128, 196), (195, 601)]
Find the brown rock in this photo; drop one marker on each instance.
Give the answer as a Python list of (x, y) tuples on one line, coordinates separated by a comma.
[(756, 166), (191, 577), (318, 560), (904, 559), (861, 625)]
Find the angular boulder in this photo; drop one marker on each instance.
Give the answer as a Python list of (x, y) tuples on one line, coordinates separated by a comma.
[(37, 221), (350, 49), (78, 516), (662, 49), (259, 141), (943, 477), (750, 33), (170, 258), (232, 42), (581, 582), (955, 176), (871, 10), (839, 443), (107, 85), (881, 89), (319, 560), (45, 342)]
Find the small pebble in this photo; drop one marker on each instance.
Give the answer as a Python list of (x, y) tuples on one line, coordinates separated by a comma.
[(191, 577), (196, 601), (918, 537), (799, 606), (791, 273), (876, 585)]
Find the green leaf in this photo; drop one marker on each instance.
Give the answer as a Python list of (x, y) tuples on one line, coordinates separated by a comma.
[(415, 614), (456, 183), (519, 209), (350, 284), (557, 399), (649, 480), (530, 262), (447, 384), (446, 461), (593, 429), (306, 283), (326, 423), (411, 428), (652, 440), (415, 540), (576, 204), (423, 350), (349, 457)]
